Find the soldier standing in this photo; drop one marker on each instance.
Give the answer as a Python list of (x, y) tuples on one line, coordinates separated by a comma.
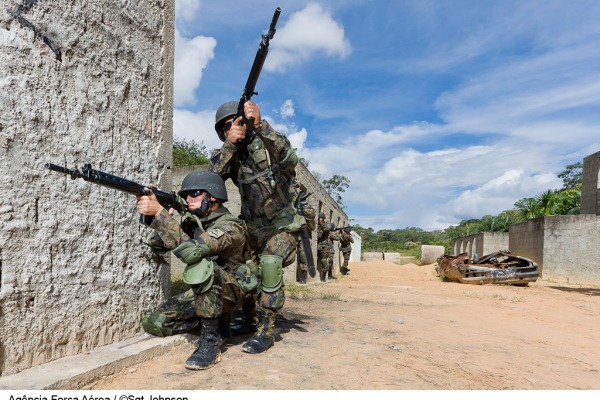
[(333, 236), (346, 241), (207, 231), (261, 163), (323, 247)]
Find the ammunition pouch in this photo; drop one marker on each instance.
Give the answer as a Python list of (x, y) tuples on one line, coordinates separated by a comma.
[(201, 275), (271, 272), (246, 278)]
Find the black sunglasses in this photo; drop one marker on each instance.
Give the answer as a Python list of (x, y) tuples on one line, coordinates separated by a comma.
[(194, 193), (227, 126)]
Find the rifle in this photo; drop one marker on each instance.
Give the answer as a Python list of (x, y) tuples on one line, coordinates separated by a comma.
[(166, 199), (341, 228), (310, 261), (259, 60)]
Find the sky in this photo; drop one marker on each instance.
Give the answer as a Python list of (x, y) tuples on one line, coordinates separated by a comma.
[(436, 111)]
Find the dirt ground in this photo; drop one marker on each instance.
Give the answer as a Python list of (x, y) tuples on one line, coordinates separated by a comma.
[(393, 327)]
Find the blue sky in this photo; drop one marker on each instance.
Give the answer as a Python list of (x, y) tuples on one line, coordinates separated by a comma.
[(437, 111)]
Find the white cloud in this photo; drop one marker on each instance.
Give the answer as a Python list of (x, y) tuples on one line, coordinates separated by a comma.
[(287, 109), (307, 33), (185, 10), (191, 57), (197, 126)]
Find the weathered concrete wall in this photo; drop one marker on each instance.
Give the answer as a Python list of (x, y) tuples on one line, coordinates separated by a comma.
[(93, 85), (571, 250), (320, 200), (590, 186), (527, 240), (481, 243), (565, 247)]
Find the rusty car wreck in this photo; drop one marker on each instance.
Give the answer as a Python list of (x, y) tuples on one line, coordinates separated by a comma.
[(499, 267)]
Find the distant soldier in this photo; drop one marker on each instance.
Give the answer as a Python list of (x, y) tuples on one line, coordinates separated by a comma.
[(333, 236), (309, 214), (323, 247), (346, 241), (211, 242)]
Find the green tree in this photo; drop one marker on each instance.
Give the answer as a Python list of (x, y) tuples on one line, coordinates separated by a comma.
[(572, 176), (335, 186), (188, 152)]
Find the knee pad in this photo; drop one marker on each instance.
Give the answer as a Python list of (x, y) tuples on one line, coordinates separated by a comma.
[(271, 271)]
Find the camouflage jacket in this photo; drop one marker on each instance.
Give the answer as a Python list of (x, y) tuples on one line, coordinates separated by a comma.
[(224, 235), (264, 173), (322, 236), (346, 241)]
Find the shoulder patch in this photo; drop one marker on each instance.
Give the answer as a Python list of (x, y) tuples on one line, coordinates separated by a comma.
[(216, 233)]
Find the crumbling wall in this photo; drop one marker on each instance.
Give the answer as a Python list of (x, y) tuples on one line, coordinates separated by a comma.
[(526, 239), (482, 243), (590, 186), (79, 82)]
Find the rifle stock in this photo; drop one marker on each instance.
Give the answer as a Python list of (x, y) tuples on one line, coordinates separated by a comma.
[(87, 173)]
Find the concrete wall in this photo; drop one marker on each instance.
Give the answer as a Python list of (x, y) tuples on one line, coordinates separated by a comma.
[(320, 200), (481, 243), (527, 239), (590, 187), (565, 247), (93, 85)]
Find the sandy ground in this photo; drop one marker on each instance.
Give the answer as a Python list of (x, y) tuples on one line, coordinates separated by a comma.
[(387, 326)]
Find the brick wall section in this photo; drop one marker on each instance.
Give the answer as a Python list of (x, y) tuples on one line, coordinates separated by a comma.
[(590, 196), (94, 85)]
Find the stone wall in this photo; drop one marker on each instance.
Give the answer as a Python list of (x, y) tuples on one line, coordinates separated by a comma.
[(527, 240), (80, 82), (590, 187)]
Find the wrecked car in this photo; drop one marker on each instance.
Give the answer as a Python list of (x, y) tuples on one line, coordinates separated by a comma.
[(500, 267)]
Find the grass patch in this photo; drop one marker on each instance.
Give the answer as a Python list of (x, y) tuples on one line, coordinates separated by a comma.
[(298, 292), (331, 296)]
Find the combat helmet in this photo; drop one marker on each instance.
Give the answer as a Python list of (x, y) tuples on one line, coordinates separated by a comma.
[(204, 180), (322, 215), (226, 110)]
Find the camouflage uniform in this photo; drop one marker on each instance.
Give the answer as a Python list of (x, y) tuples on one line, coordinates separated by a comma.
[(225, 236), (331, 251), (345, 248), (264, 172), (302, 266), (323, 249)]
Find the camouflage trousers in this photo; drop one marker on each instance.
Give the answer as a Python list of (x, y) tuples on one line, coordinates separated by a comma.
[(346, 255), (324, 260), (266, 240), (225, 295), (182, 313)]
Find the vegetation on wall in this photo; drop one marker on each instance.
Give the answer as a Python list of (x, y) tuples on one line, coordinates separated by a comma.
[(189, 152)]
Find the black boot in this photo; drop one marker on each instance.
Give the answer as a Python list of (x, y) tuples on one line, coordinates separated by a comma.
[(323, 274), (264, 336), (249, 323), (301, 277), (225, 327), (208, 353)]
